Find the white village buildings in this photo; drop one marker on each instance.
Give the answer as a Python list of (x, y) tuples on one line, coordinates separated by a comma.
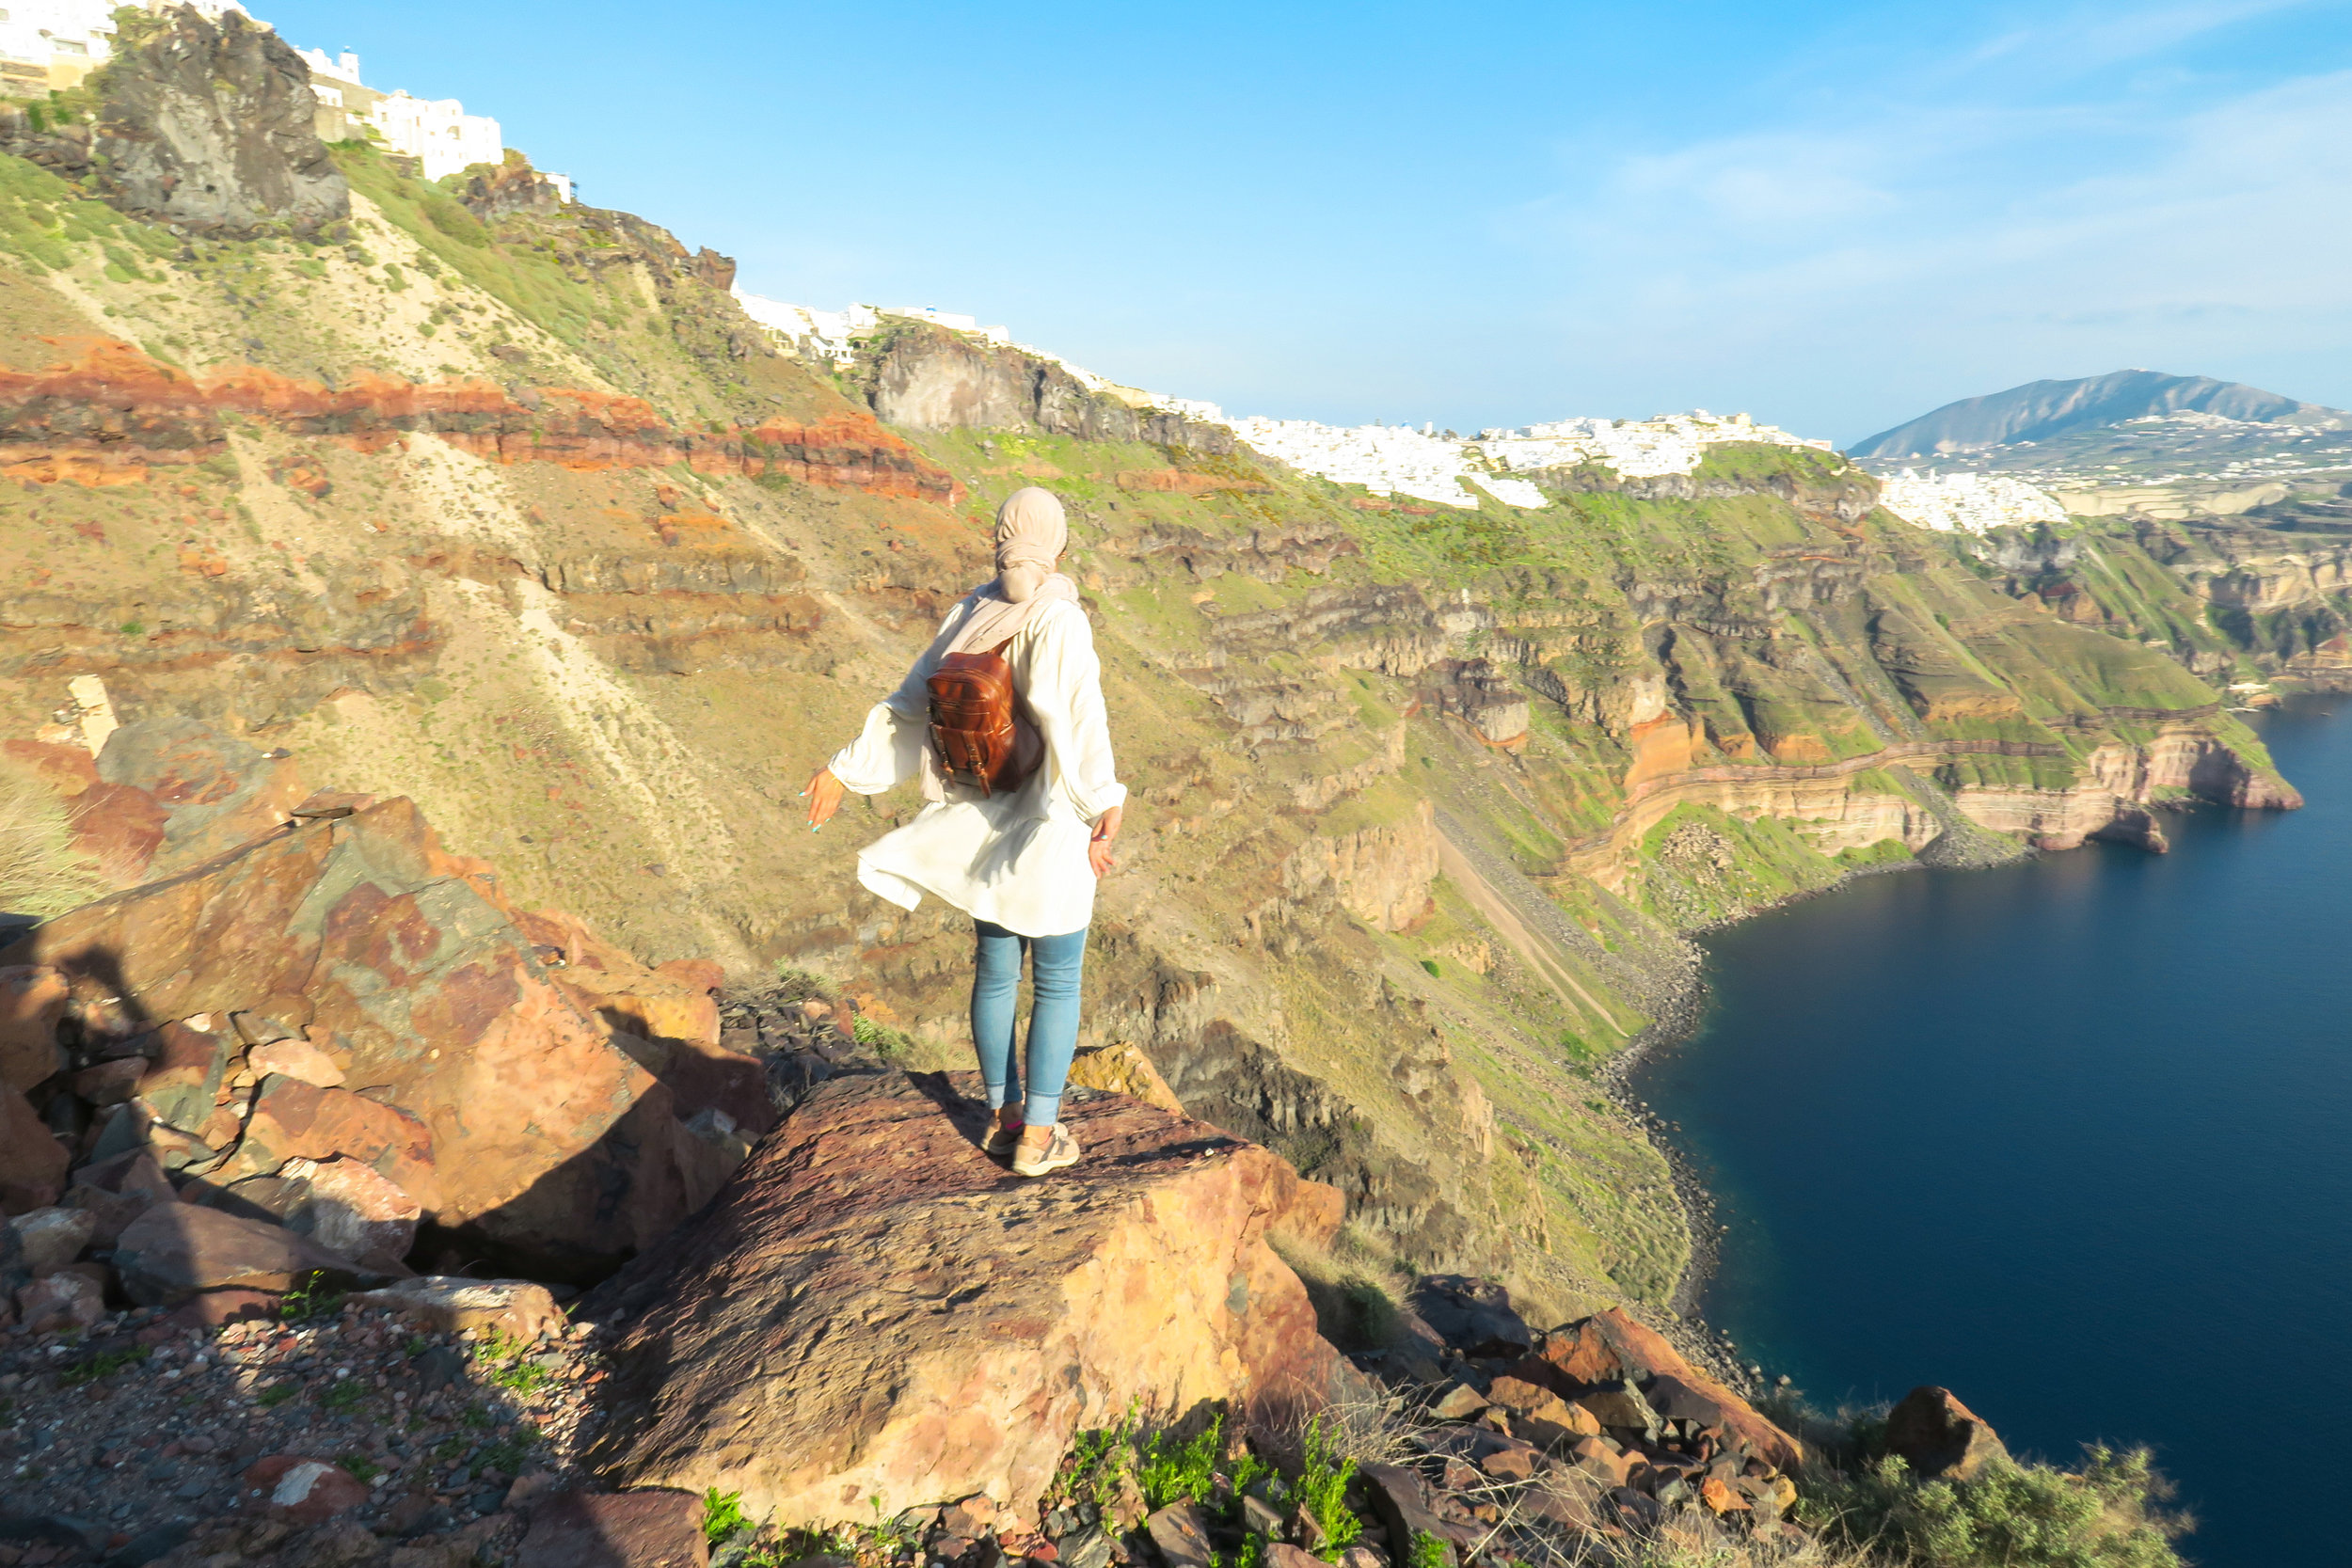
[(1966, 503)]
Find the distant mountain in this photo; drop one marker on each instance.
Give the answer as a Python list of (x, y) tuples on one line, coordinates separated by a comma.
[(2040, 410)]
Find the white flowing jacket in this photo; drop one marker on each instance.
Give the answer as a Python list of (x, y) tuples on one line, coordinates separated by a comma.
[(1018, 859)]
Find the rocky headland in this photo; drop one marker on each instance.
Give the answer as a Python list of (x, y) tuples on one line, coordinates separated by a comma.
[(394, 567)]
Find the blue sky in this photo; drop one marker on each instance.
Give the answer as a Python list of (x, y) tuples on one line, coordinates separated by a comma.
[(1833, 216)]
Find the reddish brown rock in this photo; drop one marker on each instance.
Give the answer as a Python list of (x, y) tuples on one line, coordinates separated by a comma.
[(297, 1059), (294, 1120), (653, 1528), (59, 1302), (350, 1210), (548, 1144), (302, 1491), (515, 1307), (110, 1082), (1937, 1435), (176, 1250), (1610, 1348), (32, 1162), (216, 791), (51, 1238), (1125, 1070), (32, 1002), (875, 1308), (184, 1074), (217, 1309)]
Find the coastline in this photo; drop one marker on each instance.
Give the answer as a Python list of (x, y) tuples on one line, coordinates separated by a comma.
[(1683, 1010)]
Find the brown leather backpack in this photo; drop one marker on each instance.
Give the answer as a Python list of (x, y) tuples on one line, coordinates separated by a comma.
[(976, 722)]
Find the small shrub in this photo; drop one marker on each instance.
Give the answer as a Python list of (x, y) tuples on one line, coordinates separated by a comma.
[(310, 1300), (1323, 1477), (2104, 1515), (722, 1516), (104, 1364), (1428, 1552), (797, 985), (509, 1451), (1431, 965), (504, 1363), (361, 1467), (884, 1042), (346, 1394), (1174, 1470), (277, 1394)]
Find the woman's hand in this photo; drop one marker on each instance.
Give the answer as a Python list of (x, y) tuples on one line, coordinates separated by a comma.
[(824, 793), (1099, 850)]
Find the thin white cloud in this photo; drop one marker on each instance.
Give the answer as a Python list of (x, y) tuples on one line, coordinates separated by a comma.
[(1967, 231)]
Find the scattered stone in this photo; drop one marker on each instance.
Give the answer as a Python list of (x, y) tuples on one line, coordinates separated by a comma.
[(1282, 1555), (1937, 1435), (175, 1250), (351, 1210), (657, 1529), (58, 1303), (1459, 1402), (297, 1059), (305, 1491), (515, 1307), (1621, 1406), (1180, 1531), (51, 1238)]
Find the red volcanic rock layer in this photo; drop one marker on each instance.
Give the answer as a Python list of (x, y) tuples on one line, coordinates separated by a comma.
[(110, 413)]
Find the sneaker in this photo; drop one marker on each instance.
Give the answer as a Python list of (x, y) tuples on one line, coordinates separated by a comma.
[(1000, 1139), (1030, 1159)]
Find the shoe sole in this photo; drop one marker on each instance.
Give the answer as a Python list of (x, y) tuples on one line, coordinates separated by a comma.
[(1046, 1166)]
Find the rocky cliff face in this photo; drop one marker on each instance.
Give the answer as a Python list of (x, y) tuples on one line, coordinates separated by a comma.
[(2232, 598), (206, 126), (928, 378)]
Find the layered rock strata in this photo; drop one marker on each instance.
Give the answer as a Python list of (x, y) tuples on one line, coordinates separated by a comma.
[(997, 1317)]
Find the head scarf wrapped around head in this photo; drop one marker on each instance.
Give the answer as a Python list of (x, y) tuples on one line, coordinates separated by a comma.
[(1031, 532)]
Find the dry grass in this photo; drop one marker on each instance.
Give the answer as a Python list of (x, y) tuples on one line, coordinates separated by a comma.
[(41, 872)]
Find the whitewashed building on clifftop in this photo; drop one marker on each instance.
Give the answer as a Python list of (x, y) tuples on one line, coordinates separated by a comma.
[(1966, 503)]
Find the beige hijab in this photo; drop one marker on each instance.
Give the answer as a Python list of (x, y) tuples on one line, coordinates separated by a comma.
[(1031, 532)]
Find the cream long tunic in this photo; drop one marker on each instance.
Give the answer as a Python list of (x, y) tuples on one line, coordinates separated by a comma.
[(1018, 859)]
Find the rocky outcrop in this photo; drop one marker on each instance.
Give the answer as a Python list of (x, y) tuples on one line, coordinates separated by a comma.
[(1380, 874), (109, 414), (1937, 1435), (997, 1318), (926, 377), (1843, 494), (500, 1103), (205, 124)]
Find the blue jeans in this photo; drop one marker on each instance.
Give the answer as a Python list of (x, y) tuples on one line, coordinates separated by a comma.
[(1053, 1016)]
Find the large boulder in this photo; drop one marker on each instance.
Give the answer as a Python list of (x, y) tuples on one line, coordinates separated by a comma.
[(519, 1123), (873, 1310), (1937, 1435), (211, 125), (176, 1250)]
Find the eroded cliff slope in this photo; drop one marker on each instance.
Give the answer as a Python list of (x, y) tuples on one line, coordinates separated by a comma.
[(504, 505)]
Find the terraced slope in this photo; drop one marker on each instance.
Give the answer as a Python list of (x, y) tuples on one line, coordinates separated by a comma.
[(505, 505)]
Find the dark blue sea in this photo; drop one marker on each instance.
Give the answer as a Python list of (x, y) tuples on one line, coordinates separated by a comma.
[(2073, 1138)]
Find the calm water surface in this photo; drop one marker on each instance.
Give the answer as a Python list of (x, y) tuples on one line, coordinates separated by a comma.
[(2073, 1138)]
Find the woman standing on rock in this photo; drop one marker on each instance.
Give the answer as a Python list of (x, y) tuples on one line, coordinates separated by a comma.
[(1002, 717)]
